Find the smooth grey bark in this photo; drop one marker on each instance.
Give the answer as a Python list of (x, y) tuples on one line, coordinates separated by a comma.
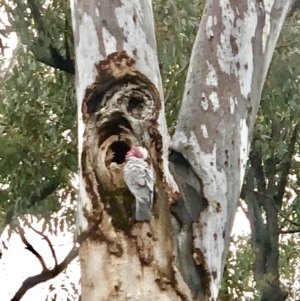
[(177, 256), (229, 63)]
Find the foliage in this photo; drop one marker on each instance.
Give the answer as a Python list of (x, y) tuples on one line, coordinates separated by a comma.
[(177, 23), (38, 126), (238, 281), (289, 264)]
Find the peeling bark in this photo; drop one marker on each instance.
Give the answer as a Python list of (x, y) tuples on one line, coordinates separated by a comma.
[(177, 256)]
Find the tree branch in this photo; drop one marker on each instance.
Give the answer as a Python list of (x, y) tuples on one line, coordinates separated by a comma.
[(256, 163), (50, 56), (45, 275), (48, 242), (258, 229), (277, 209), (289, 231), (44, 52), (30, 248), (35, 11), (286, 218), (287, 165)]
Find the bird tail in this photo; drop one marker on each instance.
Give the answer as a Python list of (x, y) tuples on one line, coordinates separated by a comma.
[(142, 211)]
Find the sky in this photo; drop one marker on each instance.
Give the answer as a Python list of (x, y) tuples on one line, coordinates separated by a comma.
[(17, 264)]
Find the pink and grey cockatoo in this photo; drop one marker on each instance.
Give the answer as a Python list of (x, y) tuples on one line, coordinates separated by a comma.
[(139, 178)]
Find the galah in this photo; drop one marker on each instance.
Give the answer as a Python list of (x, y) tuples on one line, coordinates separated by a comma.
[(138, 176)]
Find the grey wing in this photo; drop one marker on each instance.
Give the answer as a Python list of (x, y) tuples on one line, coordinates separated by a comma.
[(139, 179)]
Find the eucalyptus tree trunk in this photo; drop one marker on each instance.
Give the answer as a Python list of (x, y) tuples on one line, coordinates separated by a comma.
[(180, 254)]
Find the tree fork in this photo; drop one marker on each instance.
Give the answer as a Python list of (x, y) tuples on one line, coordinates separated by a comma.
[(178, 256)]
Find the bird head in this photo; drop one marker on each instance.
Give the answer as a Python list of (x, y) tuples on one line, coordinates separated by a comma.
[(137, 152)]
